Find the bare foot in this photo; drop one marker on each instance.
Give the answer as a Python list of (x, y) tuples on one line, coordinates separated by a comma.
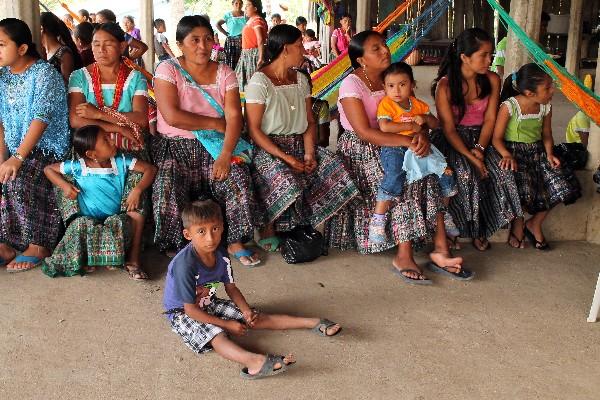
[(249, 260), (7, 253), (446, 261)]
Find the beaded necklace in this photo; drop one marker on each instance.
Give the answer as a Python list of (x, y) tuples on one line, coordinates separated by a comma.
[(97, 85)]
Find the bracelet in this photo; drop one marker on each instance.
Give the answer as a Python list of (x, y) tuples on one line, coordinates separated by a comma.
[(18, 156), (479, 146)]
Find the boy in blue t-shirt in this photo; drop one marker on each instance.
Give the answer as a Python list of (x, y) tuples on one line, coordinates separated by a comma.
[(202, 319)]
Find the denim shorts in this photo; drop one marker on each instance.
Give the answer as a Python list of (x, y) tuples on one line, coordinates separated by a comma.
[(394, 177)]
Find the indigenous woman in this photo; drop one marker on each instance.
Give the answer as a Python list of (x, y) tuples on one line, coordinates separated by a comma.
[(235, 21), (466, 97), (197, 97), (109, 94), (254, 36), (298, 182), (61, 51), (130, 28), (417, 214), (34, 132), (340, 38)]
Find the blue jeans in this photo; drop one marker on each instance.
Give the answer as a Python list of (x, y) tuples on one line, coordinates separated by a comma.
[(394, 176)]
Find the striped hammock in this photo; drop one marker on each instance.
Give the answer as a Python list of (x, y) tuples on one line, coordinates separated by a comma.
[(327, 81), (569, 85)]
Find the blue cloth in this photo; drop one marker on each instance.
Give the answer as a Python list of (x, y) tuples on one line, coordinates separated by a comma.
[(187, 273), (38, 93), (400, 164), (235, 25), (101, 188), (80, 81)]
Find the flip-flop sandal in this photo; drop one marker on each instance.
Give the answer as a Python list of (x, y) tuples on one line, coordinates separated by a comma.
[(543, 245), (33, 260), (248, 254), (267, 369), (323, 325), (462, 275), (135, 270), (272, 241), (519, 241), (410, 280)]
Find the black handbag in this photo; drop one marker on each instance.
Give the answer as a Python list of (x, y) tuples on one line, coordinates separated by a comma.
[(301, 244), (571, 155)]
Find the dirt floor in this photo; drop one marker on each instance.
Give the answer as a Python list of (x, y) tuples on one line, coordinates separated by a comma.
[(518, 331)]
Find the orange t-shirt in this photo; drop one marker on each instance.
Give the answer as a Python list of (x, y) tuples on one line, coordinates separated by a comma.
[(390, 110), (249, 40)]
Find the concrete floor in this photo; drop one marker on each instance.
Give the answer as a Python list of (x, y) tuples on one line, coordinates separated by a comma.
[(517, 331)]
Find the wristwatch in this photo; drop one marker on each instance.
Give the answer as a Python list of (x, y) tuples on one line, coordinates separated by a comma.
[(479, 146), (18, 156)]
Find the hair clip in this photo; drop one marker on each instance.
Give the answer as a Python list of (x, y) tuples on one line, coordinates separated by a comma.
[(514, 81)]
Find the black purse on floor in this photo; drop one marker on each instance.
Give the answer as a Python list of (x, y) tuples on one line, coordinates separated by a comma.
[(301, 244)]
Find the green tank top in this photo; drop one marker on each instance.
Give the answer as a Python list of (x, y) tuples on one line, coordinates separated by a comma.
[(524, 128)]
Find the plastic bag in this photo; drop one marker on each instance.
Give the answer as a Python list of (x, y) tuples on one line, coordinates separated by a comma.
[(302, 244)]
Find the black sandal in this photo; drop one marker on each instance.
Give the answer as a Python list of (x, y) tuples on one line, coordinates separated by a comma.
[(543, 245), (519, 241)]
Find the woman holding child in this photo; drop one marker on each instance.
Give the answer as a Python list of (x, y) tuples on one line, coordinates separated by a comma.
[(299, 182), (108, 93), (197, 97), (466, 97), (34, 131), (416, 214)]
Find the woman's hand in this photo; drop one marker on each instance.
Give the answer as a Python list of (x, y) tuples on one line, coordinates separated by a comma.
[(129, 134), (88, 111), (480, 167), (294, 163), (422, 145), (477, 153), (554, 161), (508, 162), (133, 200), (310, 163), (221, 167), (70, 191), (9, 169)]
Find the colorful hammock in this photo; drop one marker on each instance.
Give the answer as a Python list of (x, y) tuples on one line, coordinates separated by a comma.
[(327, 79), (569, 85), (400, 44)]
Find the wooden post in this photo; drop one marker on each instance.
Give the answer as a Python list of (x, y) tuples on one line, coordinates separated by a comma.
[(147, 29), (27, 11), (177, 12), (574, 38), (362, 15), (526, 13)]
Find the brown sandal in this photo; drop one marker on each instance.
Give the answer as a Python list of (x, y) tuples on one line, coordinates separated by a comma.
[(135, 272)]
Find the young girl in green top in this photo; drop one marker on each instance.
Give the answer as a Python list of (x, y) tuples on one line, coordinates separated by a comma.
[(523, 136)]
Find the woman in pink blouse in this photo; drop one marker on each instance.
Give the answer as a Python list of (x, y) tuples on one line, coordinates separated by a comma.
[(194, 96), (340, 38)]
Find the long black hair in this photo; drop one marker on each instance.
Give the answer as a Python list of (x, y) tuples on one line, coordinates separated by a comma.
[(356, 47), (84, 32), (54, 26), (19, 32), (84, 139), (113, 29), (528, 77), (259, 7), (279, 36), (187, 25), (467, 43)]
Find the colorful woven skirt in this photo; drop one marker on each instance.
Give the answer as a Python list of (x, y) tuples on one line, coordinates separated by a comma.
[(540, 186), (88, 241), (246, 67), (411, 217), (184, 175), (293, 199), (482, 206), (233, 50), (28, 213)]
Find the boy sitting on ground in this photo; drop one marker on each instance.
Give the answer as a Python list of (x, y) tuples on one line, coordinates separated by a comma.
[(202, 319)]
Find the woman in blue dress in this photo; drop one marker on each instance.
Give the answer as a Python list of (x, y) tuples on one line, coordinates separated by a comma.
[(34, 132)]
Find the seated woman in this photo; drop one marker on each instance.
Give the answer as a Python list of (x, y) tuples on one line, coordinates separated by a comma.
[(105, 213), (195, 98), (109, 94), (298, 182), (417, 214), (34, 132), (61, 51)]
